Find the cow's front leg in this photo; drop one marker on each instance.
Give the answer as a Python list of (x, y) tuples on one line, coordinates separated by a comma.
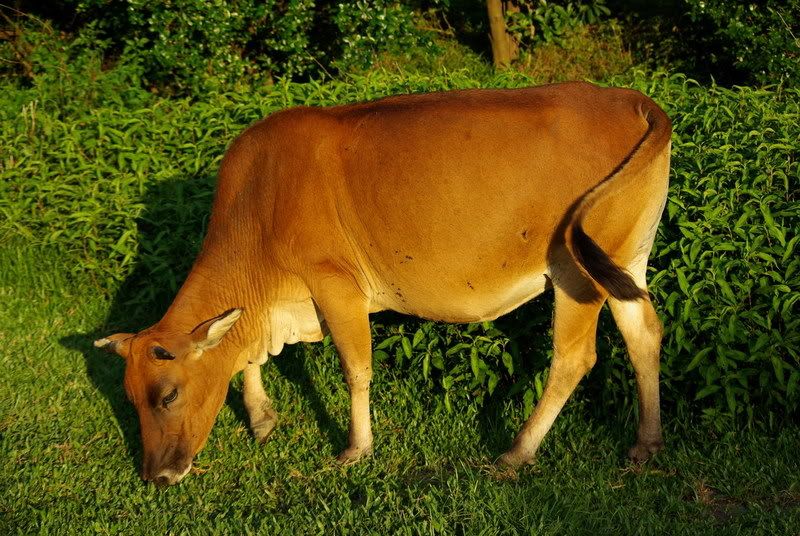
[(263, 417), (347, 317)]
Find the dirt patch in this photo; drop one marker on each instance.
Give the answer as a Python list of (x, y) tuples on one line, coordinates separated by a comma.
[(725, 509)]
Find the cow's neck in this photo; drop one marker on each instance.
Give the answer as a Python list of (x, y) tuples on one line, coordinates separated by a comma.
[(221, 280), (278, 306), (208, 292)]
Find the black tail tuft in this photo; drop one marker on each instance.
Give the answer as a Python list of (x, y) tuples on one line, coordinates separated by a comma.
[(611, 277)]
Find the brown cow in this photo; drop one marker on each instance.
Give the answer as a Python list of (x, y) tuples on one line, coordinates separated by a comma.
[(456, 206)]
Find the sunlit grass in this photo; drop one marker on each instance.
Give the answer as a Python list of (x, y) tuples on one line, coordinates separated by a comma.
[(70, 450)]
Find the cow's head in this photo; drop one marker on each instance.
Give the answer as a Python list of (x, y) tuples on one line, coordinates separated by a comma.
[(178, 387)]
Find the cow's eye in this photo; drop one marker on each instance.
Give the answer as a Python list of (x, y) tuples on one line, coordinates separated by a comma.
[(161, 353), (170, 398)]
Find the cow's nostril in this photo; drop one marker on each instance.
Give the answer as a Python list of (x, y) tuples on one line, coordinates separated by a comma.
[(161, 480)]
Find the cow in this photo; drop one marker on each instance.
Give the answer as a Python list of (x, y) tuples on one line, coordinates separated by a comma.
[(454, 206)]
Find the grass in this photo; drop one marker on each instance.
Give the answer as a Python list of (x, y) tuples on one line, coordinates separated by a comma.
[(71, 451), (104, 201)]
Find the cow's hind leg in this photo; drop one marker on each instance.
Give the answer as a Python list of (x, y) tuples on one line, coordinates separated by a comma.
[(263, 417), (641, 329), (574, 334)]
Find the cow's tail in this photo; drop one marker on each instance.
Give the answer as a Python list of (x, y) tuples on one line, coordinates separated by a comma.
[(625, 181)]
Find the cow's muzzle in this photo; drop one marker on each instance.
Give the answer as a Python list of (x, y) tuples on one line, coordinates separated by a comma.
[(168, 477), (176, 467)]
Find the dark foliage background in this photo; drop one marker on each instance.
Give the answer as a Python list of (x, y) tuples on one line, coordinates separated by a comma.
[(189, 46)]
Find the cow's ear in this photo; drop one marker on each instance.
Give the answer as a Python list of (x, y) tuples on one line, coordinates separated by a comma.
[(119, 343), (209, 333)]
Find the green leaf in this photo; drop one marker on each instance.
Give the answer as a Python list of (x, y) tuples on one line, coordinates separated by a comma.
[(457, 348), (707, 391), (698, 358), (437, 361), (682, 282), (730, 397), (777, 366), (418, 337), (493, 380), (387, 342), (477, 364), (527, 403), (447, 382), (508, 362), (406, 347)]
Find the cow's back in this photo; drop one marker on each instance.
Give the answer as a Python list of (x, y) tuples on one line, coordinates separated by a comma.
[(444, 204)]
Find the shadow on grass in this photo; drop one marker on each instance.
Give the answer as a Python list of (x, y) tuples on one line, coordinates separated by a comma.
[(293, 367), (106, 372), (170, 230)]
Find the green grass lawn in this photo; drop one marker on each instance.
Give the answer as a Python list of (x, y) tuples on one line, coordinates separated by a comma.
[(70, 449)]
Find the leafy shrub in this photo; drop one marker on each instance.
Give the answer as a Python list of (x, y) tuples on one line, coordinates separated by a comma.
[(189, 47), (123, 194), (760, 38), (539, 21), (567, 40), (727, 269), (730, 41), (67, 74), (368, 26), (593, 52)]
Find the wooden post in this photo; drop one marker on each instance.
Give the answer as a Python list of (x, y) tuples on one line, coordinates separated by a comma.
[(504, 48)]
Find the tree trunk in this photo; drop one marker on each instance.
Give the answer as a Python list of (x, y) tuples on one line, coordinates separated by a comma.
[(504, 47)]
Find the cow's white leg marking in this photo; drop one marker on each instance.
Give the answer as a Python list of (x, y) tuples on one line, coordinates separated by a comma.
[(574, 333), (263, 417), (641, 329)]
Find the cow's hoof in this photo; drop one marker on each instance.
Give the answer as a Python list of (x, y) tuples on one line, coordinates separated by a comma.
[(641, 452), (514, 459), (264, 427), (351, 455)]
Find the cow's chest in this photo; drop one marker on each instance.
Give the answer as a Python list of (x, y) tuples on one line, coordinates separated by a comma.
[(291, 322)]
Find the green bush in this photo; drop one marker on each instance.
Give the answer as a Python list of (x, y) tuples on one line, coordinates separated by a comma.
[(123, 194), (755, 42), (586, 52), (539, 21), (66, 75), (189, 47), (368, 26), (727, 275), (759, 38)]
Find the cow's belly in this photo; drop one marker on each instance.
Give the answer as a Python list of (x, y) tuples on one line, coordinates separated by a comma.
[(465, 300)]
